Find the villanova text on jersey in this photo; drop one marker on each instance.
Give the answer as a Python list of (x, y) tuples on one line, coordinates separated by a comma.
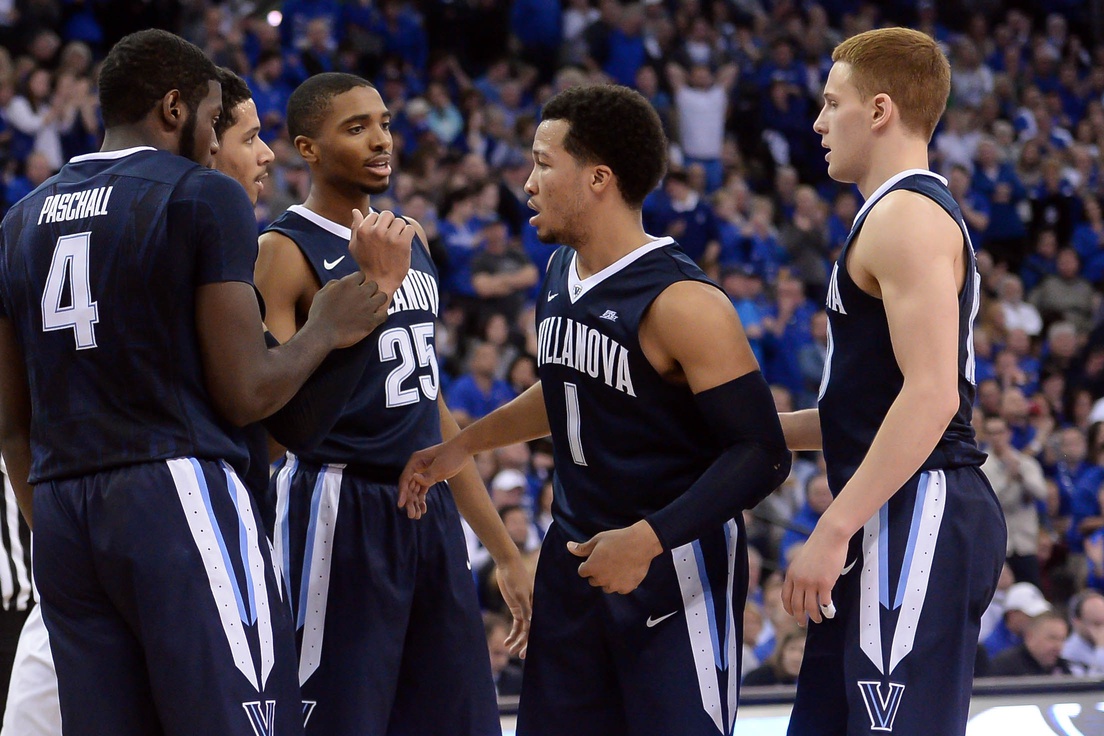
[(563, 341), (627, 441)]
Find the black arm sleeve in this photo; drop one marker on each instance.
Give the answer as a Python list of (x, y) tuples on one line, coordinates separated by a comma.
[(755, 461), (305, 420)]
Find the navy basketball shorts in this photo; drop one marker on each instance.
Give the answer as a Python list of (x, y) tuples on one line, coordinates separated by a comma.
[(163, 606), (662, 660), (898, 658), (387, 619)]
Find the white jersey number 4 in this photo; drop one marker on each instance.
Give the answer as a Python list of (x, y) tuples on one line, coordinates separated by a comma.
[(69, 268)]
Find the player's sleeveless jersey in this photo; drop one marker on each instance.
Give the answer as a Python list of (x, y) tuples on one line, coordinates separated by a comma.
[(861, 377), (626, 441), (393, 411), (98, 275)]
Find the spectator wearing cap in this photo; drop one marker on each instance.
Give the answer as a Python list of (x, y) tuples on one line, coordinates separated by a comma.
[(1022, 602), (678, 210), (1040, 653), (1084, 649), (743, 287)]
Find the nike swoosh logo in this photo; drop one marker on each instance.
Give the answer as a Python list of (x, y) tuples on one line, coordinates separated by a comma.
[(330, 265), (848, 568), (653, 621), (552, 296)]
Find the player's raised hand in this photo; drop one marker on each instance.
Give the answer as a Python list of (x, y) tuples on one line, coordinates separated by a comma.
[(618, 560), (807, 592), (426, 467), (515, 581), (380, 244), (350, 308)]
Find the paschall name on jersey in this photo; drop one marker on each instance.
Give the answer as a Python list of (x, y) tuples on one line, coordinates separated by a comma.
[(418, 291), (563, 341), (75, 205)]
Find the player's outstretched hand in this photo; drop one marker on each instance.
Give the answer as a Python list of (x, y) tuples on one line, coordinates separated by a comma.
[(350, 307), (380, 244), (618, 560), (807, 592), (423, 469), (515, 580)]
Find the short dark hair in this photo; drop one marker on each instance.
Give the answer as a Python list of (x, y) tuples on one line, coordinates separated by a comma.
[(615, 126), (309, 104), (234, 92), (144, 67)]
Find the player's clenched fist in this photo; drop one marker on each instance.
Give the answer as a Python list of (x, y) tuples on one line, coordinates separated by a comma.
[(380, 244)]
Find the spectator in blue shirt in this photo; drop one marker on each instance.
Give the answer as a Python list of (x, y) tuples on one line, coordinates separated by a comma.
[(1005, 235), (818, 496), (477, 393)]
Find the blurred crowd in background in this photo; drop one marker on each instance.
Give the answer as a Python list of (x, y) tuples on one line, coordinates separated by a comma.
[(737, 84)]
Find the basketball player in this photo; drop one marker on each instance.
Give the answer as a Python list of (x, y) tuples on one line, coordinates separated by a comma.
[(242, 155), (131, 341), (663, 432), (915, 529), (385, 607)]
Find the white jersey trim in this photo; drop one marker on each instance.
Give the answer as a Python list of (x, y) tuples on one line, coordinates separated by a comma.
[(889, 183), (109, 155), (339, 230), (577, 287)]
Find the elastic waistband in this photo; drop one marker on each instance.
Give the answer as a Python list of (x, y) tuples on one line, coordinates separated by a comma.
[(387, 475)]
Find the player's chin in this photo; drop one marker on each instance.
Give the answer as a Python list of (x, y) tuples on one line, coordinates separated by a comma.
[(377, 185)]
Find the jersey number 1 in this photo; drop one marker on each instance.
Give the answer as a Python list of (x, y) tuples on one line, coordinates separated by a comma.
[(574, 423), (69, 272)]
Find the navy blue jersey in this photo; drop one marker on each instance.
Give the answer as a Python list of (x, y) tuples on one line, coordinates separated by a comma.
[(861, 376), (98, 275), (626, 441), (393, 411)]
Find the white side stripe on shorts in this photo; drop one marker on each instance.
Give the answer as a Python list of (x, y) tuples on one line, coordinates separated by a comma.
[(931, 498), (314, 587), (255, 567), (191, 487), (701, 626)]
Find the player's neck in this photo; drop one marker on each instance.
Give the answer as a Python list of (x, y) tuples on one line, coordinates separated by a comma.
[(609, 238), (122, 137), (892, 159), (336, 205)]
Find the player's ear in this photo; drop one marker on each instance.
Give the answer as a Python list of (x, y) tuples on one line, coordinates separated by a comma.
[(881, 107), (306, 148), (601, 177), (172, 110)]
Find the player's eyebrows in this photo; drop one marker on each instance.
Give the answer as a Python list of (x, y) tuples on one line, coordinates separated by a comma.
[(252, 132), (365, 117)]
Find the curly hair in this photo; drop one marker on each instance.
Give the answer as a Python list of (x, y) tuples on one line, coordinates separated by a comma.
[(234, 92), (309, 104), (615, 126), (144, 67)]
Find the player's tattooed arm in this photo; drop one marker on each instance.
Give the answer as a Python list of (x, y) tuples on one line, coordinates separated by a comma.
[(15, 418)]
